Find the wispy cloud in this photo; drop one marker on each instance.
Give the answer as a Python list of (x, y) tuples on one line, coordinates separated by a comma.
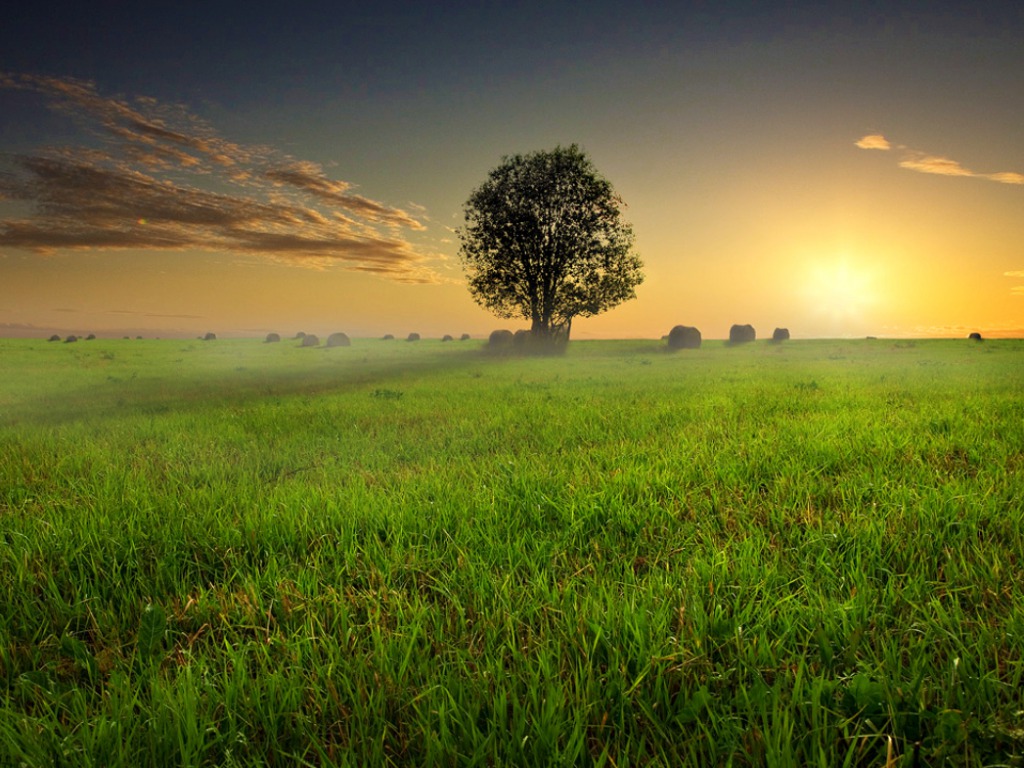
[(133, 313), (161, 178), (873, 141), (930, 164), (922, 162), (1017, 290)]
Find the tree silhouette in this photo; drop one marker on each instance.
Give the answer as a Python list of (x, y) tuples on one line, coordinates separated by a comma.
[(545, 240)]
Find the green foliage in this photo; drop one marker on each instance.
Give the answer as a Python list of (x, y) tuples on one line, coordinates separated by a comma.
[(545, 240), (238, 553)]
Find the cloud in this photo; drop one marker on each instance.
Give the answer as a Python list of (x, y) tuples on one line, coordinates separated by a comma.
[(922, 162), (940, 165), (873, 141), (160, 178), (1017, 290), (133, 313), (1007, 177)]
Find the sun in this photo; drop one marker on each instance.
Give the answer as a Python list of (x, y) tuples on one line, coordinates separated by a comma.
[(840, 290)]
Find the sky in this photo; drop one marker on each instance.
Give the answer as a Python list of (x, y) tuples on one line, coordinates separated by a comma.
[(840, 170)]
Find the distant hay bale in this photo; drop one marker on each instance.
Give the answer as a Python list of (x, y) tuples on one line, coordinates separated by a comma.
[(447, 337), (780, 334), (684, 337), (741, 334), (310, 340), (300, 335), (975, 336), (338, 340), (413, 337), (138, 337), (56, 337), (521, 337), (91, 337), (389, 337), (500, 338), (272, 337), (210, 336), (70, 339), (465, 337)]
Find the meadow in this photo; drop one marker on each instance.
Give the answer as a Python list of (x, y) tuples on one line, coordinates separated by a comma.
[(238, 553)]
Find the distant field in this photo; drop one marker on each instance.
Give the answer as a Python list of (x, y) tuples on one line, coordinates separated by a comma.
[(238, 553)]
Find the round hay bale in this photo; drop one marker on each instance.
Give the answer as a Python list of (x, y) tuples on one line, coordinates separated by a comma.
[(684, 337), (975, 336), (413, 337), (780, 334), (389, 337), (91, 337), (56, 337), (500, 338), (447, 337), (138, 337), (465, 337), (310, 340), (210, 336), (741, 334), (272, 337), (70, 339), (300, 335), (338, 340)]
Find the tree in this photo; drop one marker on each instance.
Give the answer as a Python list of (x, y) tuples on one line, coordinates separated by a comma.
[(545, 240)]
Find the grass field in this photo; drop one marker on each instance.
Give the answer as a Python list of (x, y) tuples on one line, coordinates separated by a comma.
[(237, 553)]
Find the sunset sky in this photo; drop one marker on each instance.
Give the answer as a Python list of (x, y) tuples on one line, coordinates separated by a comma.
[(840, 170)]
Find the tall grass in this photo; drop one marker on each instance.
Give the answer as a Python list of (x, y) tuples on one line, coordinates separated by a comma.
[(238, 553)]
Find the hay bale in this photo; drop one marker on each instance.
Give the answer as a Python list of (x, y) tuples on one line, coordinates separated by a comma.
[(447, 337), (780, 334), (975, 336), (300, 335), (413, 337), (684, 337), (522, 337), (465, 337), (389, 337), (338, 340), (210, 336), (70, 339), (500, 338), (91, 337), (310, 340), (56, 337), (741, 334), (272, 337)]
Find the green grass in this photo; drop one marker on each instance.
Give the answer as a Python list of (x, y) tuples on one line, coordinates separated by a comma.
[(236, 553)]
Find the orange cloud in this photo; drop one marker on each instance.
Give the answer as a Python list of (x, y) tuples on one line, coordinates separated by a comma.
[(148, 188), (873, 141), (942, 166), (1007, 177)]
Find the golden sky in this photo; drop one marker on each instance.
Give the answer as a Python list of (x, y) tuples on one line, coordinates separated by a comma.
[(834, 174)]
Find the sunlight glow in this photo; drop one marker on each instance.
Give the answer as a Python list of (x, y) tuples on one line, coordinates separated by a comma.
[(841, 291)]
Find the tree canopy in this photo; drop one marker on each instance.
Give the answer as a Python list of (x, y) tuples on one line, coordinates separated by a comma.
[(545, 240)]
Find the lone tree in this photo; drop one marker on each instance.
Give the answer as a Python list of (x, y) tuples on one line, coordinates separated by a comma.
[(545, 240)]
